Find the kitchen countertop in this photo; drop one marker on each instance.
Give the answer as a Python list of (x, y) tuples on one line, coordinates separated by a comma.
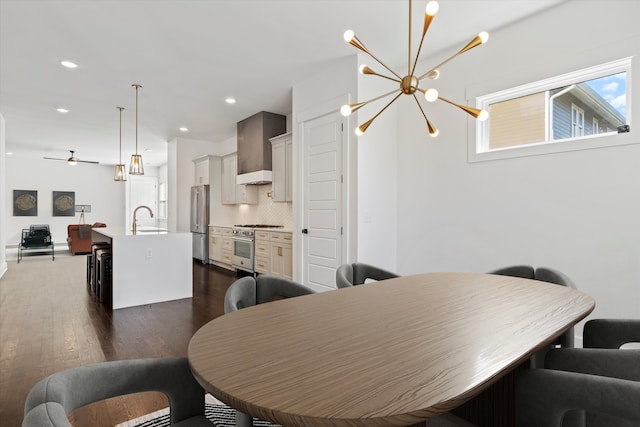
[(142, 231), (284, 229)]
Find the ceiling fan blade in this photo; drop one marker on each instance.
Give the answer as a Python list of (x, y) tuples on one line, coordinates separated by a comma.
[(78, 160)]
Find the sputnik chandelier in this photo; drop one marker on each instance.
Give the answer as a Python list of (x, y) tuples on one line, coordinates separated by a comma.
[(409, 84)]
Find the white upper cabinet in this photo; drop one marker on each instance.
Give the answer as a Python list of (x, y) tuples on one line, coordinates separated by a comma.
[(233, 193), (281, 159), (202, 171), (209, 172), (208, 169)]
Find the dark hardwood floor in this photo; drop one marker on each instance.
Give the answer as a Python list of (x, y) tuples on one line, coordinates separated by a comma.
[(49, 322)]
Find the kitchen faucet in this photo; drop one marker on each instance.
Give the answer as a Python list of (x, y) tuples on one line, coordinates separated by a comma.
[(135, 212)]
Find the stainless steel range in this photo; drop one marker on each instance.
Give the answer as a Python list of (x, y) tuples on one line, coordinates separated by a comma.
[(244, 245)]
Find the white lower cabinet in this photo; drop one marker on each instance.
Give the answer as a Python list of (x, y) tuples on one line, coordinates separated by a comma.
[(262, 254), (221, 246), (274, 254)]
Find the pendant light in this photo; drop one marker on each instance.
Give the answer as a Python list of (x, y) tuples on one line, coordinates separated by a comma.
[(136, 167), (120, 175)]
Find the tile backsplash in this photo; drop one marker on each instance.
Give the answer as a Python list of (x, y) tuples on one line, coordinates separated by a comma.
[(266, 211)]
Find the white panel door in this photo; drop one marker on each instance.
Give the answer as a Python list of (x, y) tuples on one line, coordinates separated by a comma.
[(322, 245)]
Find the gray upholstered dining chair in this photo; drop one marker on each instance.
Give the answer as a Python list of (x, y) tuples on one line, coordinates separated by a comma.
[(543, 274), (247, 291), (611, 333), (524, 271), (52, 399), (348, 275), (589, 386)]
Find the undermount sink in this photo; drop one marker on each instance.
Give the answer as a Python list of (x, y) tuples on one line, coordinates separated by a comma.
[(149, 229)]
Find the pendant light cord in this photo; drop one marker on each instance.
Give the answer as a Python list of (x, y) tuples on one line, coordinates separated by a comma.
[(120, 157), (137, 86)]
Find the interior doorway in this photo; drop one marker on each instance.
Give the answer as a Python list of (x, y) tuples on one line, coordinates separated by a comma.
[(322, 238)]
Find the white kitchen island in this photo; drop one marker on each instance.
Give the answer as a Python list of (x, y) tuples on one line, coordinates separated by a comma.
[(153, 265)]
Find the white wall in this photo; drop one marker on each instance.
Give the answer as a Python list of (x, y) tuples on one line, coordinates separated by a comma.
[(321, 94), (378, 174), (3, 198), (163, 177), (93, 185), (578, 211), (181, 175)]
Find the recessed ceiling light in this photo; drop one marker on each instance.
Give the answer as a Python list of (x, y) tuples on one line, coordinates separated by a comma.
[(9, 153), (230, 100), (184, 129), (148, 150), (62, 110), (68, 64)]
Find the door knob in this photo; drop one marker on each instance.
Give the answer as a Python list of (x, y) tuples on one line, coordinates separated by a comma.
[(305, 231)]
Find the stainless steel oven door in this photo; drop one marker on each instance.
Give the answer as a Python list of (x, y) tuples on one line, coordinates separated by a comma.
[(243, 251)]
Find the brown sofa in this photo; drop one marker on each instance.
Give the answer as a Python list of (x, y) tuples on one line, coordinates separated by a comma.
[(79, 237)]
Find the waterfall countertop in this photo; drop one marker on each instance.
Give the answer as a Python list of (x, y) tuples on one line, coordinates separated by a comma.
[(154, 265)]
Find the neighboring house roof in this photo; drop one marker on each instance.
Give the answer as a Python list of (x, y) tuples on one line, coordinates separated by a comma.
[(597, 103)]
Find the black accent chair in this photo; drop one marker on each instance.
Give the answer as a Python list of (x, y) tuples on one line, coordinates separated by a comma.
[(36, 237)]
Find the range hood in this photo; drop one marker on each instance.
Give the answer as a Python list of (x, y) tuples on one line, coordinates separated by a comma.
[(254, 147)]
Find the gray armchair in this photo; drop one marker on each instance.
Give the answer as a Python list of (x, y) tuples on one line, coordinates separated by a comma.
[(247, 291), (589, 386), (524, 271), (543, 274), (611, 333), (51, 400), (348, 275)]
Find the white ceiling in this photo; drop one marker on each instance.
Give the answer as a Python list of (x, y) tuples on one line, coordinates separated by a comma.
[(189, 55)]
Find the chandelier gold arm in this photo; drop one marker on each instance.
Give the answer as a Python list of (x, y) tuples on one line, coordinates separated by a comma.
[(353, 40), (350, 108), (475, 112), (433, 131), (363, 127), (430, 13), (477, 41), (364, 69)]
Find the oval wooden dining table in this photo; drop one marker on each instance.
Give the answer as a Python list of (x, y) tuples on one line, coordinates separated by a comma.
[(391, 353)]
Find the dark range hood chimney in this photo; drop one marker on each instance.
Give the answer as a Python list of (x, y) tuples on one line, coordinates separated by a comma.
[(254, 147)]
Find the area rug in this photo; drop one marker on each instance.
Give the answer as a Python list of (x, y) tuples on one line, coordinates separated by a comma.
[(222, 415), (217, 412)]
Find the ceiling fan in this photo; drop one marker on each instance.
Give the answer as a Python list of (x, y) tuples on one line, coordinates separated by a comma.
[(73, 159)]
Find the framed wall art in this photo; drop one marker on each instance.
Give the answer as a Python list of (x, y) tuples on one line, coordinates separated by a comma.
[(64, 203), (25, 203)]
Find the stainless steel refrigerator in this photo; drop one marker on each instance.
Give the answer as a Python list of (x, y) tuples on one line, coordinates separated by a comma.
[(200, 222)]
